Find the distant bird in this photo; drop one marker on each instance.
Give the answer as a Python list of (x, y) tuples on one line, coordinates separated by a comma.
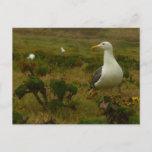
[(31, 56), (62, 50), (109, 75)]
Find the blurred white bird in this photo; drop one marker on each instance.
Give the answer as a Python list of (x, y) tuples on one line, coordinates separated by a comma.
[(31, 56), (62, 50)]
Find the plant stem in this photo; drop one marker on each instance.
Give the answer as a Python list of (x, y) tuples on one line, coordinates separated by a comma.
[(38, 99)]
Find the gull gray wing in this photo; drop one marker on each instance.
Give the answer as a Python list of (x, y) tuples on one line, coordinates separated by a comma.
[(96, 76)]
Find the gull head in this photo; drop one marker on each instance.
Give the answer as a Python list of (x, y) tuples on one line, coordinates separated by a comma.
[(103, 46)]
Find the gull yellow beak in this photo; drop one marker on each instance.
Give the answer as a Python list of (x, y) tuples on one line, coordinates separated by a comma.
[(95, 47)]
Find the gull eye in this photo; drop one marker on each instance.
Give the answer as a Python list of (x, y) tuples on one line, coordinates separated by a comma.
[(103, 43)]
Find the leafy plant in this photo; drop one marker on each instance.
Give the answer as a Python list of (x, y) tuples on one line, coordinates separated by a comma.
[(117, 114), (126, 74), (18, 118), (92, 67), (42, 70), (72, 91), (54, 105), (21, 91), (32, 85), (39, 55), (93, 121), (59, 88)]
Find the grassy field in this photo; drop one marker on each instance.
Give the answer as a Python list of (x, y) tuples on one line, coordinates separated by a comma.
[(75, 67)]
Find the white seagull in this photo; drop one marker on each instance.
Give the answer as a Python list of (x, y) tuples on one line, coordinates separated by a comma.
[(110, 74), (31, 56), (62, 50)]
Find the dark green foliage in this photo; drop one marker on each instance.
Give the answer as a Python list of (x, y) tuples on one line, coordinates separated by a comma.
[(134, 119), (73, 61), (57, 60), (118, 114), (72, 105), (92, 67), (131, 80), (136, 66), (59, 88), (126, 74), (34, 84), (17, 117), (65, 61), (93, 121), (39, 55), (128, 62), (54, 105), (27, 66), (16, 56), (42, 70), (21, 91), (72, 91)]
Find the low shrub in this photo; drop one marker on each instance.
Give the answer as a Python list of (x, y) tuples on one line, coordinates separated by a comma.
[(16, 56), (126, 74), (58, 87), (40, 55), (21, 91), (66, 61), (17, 117), (42, 70), (93, 121), (32, 85), (92, 67), (72, 91), (117, 114), (54, 105)]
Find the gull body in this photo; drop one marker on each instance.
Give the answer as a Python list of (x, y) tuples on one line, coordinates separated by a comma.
[(31, 56), (62, 50), (111, 74)]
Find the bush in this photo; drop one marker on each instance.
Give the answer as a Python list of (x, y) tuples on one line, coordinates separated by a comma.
[(54, 105), (34, 84), (93, 121), (17, 117), (65, 61), (136, 66), (126, 74), (72, 90), (134, 119), (20, 91), (59, 88), (42, 70), (117, 114), (73, 61), (92, 67), (16, 56), (27, 66), (39, 55)]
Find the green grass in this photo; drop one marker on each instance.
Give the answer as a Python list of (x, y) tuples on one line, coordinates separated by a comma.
[(76, 67)]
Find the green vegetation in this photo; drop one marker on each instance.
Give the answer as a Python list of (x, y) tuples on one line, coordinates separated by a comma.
[(52, 88)]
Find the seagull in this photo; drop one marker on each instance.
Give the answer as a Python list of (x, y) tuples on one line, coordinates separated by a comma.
[(109, 75), (31, 56), (62, 50)]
